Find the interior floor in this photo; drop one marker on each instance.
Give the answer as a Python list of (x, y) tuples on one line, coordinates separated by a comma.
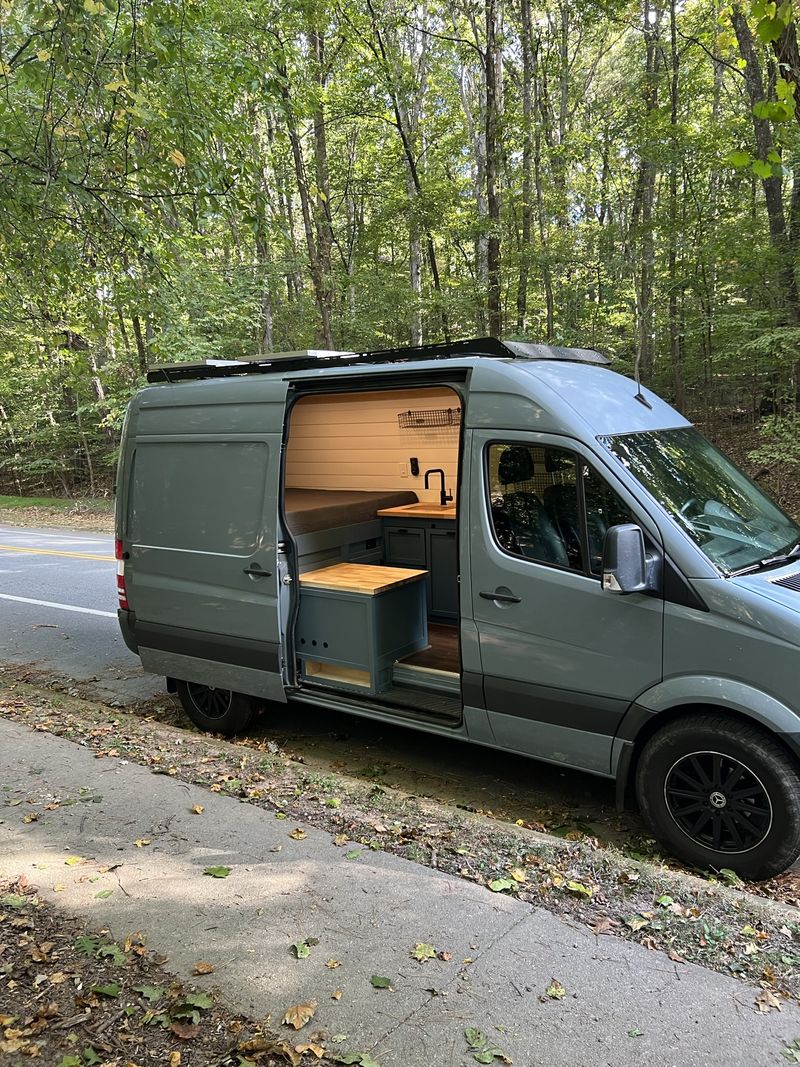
[(443, 653)]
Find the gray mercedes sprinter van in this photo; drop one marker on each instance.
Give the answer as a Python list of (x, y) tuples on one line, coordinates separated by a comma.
[(503, 542)]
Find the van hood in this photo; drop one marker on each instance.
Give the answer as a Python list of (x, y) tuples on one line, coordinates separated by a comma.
[(772, 584)]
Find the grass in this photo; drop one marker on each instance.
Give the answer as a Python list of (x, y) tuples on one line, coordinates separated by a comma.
[(58, 503)]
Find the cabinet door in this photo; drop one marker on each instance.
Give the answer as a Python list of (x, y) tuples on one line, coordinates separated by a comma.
[(443, 568), (405, 544)]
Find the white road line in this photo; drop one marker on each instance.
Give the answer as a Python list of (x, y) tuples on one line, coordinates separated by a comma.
[(17, 531), (64, 607)]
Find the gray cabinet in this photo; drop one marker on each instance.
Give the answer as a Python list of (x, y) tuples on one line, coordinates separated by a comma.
[(431, 545)]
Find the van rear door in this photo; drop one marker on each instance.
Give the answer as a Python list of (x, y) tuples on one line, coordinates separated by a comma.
[(200, 525)]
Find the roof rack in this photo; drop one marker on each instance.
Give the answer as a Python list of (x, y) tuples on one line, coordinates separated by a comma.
[(310, 359)]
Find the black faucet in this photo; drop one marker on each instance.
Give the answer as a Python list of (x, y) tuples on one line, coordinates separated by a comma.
[(444, 497)]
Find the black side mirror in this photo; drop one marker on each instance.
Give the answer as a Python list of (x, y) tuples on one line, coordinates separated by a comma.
[(624, 563)]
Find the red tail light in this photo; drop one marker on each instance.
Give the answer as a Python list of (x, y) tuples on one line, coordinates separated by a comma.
[(122, 593)]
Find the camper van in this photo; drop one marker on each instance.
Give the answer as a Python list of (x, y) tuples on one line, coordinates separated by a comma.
[(498, 541)]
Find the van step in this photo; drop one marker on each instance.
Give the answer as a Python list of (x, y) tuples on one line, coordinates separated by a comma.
[(428, 678)]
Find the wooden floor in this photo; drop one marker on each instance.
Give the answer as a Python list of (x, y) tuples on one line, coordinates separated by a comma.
[(443, 655)]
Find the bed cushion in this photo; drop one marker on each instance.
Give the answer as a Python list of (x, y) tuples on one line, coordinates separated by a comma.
[(309, 510)]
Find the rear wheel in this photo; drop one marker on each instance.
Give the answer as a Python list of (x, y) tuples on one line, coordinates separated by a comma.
[(722, 793), (220, 711)]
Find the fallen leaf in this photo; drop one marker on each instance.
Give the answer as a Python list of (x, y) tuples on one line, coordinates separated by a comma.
[(422, 952), (379, 982), (299, 1014), (353, 854), (675, 956), (112, 989), (518, 874), (579, 889), (446, 956), (302, 949), (637, 922), (497, 885), (556, 990), (333, 964), (73, 861), (203, 968), (185, 1031), (603, 925), (340, 839), (317, 1050), (336, 994), (175, 1059), (298, 835), (766, 1001), (197, 809), (217, 872), (635, 1032), (141, 842)]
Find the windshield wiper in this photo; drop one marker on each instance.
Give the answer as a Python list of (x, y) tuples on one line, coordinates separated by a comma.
[(771, 561)]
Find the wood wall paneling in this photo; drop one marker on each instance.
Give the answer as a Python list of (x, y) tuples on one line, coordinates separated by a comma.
[(354, 441)]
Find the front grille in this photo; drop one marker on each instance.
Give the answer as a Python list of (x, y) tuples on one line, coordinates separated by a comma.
[(791, 581)]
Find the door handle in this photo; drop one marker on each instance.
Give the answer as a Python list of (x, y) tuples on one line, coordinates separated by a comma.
[(502, 598), (257, 572)]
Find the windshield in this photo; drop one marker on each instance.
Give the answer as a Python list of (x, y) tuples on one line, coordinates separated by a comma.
[(721, 509)]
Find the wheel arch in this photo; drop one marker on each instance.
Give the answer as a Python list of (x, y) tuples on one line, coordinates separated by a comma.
[(655, 709)]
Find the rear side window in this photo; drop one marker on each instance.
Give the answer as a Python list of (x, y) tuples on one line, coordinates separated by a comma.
[(202, 496)]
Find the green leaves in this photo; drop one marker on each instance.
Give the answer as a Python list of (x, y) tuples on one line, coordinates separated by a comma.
[(217, 872), (112, 989), (302, 949), (380, 982), (481, 1048), (422, 952)]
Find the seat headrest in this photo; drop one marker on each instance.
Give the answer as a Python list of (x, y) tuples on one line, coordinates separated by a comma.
[(516, 465)]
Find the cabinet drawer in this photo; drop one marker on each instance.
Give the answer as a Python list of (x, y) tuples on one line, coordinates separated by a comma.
[(405, 544)]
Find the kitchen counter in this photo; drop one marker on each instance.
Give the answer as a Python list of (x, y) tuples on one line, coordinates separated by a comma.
[(365, 579), (420, 511)]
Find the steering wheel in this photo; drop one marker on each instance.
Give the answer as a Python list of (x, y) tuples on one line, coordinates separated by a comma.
[(692, 504)]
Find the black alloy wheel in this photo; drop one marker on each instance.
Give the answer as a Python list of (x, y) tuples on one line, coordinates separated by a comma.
[(718, 802), (219, 711), (722, 792), (211, 702)]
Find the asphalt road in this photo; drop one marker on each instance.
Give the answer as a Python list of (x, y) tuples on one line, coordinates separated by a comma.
[(58, 605), (58, 613)]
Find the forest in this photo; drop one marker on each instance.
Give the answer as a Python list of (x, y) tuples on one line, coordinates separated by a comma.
[(192, 179)]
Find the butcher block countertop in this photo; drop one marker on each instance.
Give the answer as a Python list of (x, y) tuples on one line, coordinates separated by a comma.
[(420, 511), (359, 578)]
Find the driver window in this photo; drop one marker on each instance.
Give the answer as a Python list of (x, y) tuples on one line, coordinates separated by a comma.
[(603, 510), (533, 493)]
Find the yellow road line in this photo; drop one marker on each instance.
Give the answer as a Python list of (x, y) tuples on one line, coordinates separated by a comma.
[(53, 552)]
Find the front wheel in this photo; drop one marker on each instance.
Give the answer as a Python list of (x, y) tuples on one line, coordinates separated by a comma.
[(219, 711), (722, 793)]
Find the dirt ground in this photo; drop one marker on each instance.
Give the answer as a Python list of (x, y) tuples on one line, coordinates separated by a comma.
[(74, 998)]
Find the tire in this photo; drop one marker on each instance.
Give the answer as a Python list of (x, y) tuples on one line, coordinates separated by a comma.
[(722, 793), (218, 711)]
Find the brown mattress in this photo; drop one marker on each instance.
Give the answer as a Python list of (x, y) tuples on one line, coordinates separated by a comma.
[(308, 510)]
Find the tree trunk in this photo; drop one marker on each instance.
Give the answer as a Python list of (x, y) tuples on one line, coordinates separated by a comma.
[(526, 35), (324, 224), (675, 345), (494, 90), (141, 346), (771, 185), (645, 350)]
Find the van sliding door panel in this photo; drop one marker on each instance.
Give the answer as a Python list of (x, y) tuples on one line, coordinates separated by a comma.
[(203, 534)]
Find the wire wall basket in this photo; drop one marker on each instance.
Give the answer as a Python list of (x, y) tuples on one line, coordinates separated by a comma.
[(411, 420)]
